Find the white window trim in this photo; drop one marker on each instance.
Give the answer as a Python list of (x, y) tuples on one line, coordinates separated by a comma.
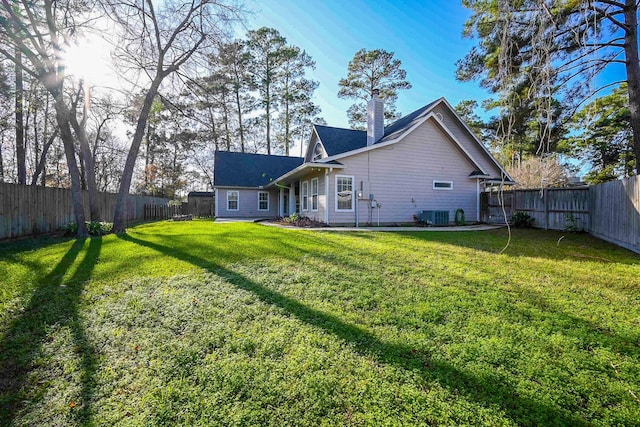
[(263, 192), (305, 198), (443, 182), (238, 202), (317, 195), (353, 183)]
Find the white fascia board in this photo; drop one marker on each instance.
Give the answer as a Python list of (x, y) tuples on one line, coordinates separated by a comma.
[(473, 135), (401, 137)]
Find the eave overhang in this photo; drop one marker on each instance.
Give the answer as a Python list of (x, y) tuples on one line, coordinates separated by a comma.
[(302, 170)]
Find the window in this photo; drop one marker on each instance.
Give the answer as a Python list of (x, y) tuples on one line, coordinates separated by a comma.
[(305, 196), (314, 194), (263, 201), (233, 198), (344, 193), (443, 185), (318, 152)]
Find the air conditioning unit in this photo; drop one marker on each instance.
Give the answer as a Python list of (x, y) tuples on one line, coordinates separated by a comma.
[(434, 217)]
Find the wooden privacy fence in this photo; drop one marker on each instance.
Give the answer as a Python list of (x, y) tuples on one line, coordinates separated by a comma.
[(155, 211), (616, 212), (551, 208), (610, 211), (29, 210)]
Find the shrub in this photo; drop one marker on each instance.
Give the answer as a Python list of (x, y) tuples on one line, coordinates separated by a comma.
[(99, 228), (71, 229), (573, 223), (95, 228), (522, 220), (459, 218), (294, 217)]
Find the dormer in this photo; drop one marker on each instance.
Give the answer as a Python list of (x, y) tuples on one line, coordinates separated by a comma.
[(315, 150)]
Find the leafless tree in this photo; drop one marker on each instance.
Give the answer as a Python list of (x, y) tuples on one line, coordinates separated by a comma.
[(158, 40), (41, 32)]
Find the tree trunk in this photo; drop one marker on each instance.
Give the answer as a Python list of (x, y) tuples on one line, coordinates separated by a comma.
[(268, 116), (43, 160), (62, 117), (633, 73), (1, 158), (225, 118), (286, 124), (214, 132), (239, 108), (87, 158), (83, 180), (147, 156), (19, 101), (119, 220)]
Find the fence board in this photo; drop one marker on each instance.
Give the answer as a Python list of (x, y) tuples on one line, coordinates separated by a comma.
[(28, 210)]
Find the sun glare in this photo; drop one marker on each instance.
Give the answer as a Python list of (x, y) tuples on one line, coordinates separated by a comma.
[(89, 60)]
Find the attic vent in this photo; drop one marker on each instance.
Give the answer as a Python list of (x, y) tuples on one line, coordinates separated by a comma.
[(439, 115)]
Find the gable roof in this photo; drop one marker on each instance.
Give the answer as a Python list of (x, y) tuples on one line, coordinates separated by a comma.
[(250, 170), (396, 132), (338, 140), (405, 122)]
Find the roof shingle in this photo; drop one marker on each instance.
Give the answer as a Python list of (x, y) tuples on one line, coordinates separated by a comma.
[(250, 170), (338, 140)]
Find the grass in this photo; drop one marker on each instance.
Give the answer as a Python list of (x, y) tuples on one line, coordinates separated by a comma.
[(198, 323)]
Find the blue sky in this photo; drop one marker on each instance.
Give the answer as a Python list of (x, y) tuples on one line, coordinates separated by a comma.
[(425, 35)]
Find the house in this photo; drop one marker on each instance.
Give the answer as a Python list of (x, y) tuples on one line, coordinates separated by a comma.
[(428, 160)]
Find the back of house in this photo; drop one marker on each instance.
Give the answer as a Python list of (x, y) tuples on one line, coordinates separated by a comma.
[(424, 163)]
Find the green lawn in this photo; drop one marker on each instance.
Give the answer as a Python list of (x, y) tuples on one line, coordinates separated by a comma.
[(198, 323)]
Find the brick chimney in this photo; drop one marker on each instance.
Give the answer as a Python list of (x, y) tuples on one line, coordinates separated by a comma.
[(375, 118)]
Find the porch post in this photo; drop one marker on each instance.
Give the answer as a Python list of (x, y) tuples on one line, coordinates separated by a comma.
[(292, 199), (478, 205), (281, 202), (326, 197)]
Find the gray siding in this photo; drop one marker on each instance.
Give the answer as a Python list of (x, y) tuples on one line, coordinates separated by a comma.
[(318, 215), (248, 204), (465, 138), (401, 178)]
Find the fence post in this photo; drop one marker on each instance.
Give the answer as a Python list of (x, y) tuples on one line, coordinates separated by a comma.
[(545, 200)]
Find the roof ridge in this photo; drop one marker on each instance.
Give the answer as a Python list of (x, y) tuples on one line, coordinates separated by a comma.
[(258, 154), (336, 127)]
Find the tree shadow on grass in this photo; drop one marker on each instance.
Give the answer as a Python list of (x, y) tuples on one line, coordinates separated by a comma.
[(54, 302), (489, 389)]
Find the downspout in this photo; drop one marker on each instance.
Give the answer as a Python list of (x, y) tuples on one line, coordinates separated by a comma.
[(355, 200)]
